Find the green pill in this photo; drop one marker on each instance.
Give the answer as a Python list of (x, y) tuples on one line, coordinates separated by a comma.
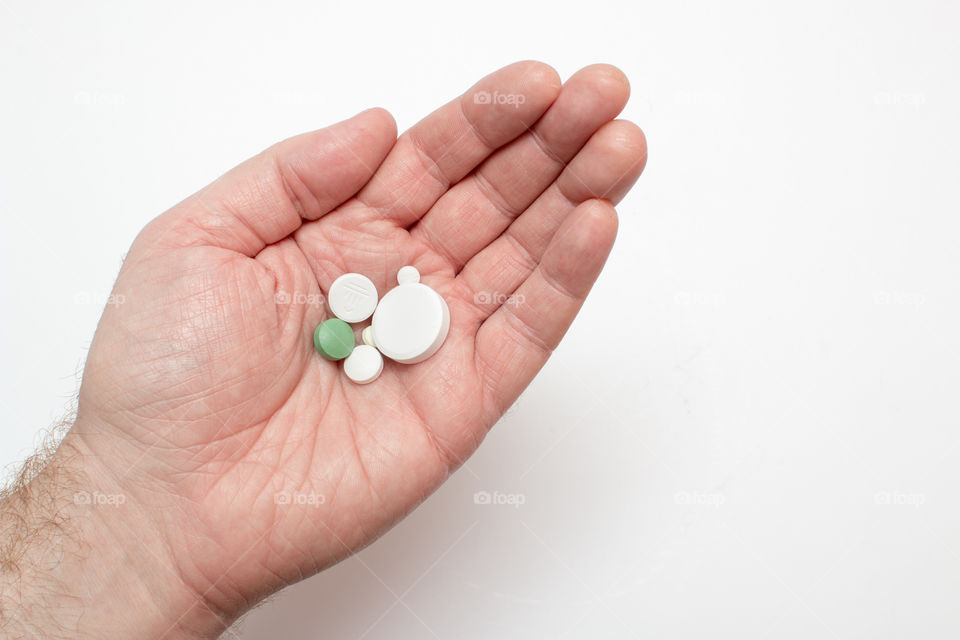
[(333, 339)]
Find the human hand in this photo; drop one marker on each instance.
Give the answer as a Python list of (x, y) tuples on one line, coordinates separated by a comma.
[(246, 461)]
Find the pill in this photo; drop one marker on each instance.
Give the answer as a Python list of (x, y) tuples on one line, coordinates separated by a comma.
[(364, 364), (352, 297), (333, 339), (412, 320), (367, 336), (408, 275)]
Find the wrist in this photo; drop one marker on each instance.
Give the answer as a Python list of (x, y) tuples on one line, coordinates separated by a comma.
[(79, 558)]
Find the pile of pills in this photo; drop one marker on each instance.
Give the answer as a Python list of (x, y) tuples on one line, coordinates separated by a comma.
[(409, 324)]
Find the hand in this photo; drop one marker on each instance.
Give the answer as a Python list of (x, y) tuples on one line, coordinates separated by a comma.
[(253, 462)]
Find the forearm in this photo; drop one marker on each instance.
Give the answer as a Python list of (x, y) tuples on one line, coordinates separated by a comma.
[(78, 559)]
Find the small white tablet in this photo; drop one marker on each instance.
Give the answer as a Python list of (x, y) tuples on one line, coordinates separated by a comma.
[(364, 364)]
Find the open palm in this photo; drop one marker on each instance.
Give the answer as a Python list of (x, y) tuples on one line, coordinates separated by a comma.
[(259, 461)]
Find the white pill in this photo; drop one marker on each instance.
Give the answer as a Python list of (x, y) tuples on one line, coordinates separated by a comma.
[(367, 336), (364, 364), (408, 275), (352, 297), (412, 320)]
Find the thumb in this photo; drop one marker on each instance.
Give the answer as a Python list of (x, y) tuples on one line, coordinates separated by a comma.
[(267, 197)]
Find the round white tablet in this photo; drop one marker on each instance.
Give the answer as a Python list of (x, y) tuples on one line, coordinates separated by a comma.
[(408, 275), (411, 321), (364, 364), (367, 336), (352, 297)]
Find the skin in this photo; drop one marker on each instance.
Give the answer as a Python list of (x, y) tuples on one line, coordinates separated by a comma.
[(243, 460)]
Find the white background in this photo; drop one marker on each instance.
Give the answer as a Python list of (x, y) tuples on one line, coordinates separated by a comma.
[(751, 430)]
